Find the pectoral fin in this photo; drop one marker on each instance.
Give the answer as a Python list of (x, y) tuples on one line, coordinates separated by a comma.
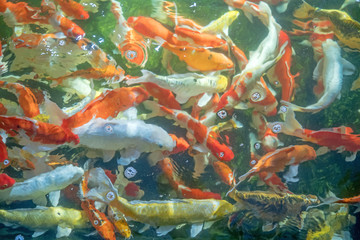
[(38, 233), (63, 232), (196, 229), (42, 201), (348, 67), (54, 197), (163, 230), (108, 155), (128, 155)]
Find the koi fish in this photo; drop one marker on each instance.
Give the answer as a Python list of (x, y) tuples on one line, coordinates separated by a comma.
[(130, 43), (331, 69), (73, 9), (132, 137), (345, 27), (42, 219), (109, 72), (225, 173), (276, 161), (200, 39), (33, 40), (176, 183), (151, 28), (281, 5), (36, 131), (177, 211), (37, 187), (119, 221), (108, 104), (271, 206), (97, 218), (21, 13), (6, 181), (200, 59), (164, 96), (338, 138), (202, 134), (221, 25), (26, 98), (68, 27), (3, 148), (184, 85), (280, 74)]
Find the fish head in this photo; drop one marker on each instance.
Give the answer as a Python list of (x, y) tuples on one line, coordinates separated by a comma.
[(6, 181), (219, 150)]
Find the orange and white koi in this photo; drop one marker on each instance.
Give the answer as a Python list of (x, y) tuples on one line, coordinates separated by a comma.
[(26, 98), (33, 40), (203, 135), (119, 221), (130, 43), (97, 218), (68, 27), (276, 161), (73, 9), (338, 138), (184, 85), (108, 104), (280, 74), (331, 69), (44, 133), (281, 5)]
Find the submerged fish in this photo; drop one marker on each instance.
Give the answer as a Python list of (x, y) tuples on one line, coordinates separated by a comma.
[(346, 29), (166, 214), (132, 137), (42, 219)]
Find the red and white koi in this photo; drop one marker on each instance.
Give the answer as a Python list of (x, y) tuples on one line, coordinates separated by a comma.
[(73, 9)]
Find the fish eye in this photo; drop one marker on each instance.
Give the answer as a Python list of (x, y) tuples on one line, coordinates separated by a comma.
[(222, 114), (255, 96), (130, 172), (253, 162), (257, 146), (276, 128), (130, 54), (276, 83), (19, 237), (283, 109), (110, 196), (109, 128), (6, 162), (96, 222), (222, 154)]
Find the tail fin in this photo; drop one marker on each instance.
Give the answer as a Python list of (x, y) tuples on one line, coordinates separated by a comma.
[(304, 11), (158, 12), (101, 187), (146, 75)]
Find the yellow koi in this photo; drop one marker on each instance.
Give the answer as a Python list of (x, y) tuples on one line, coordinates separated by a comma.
[(221, 24)]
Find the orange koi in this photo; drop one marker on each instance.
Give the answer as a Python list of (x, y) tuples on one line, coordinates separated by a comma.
[(196, 38), (195, 193), (98, 219), (22, 13), (151, 28), (200, 59), (68, 27), (225, 173), (109, 72), (164, 96), (37, 131), (276, 161), (338, 138), (351, 200), (119, 221), (26, 98), (73, 9), (167, 168), (130, 43), (6, 181), (280, 74), (202, 134), (108, 104)]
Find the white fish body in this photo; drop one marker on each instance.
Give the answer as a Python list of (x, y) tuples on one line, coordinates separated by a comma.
[(331, 69), (133, 137), (37, 187), (184, 85)]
